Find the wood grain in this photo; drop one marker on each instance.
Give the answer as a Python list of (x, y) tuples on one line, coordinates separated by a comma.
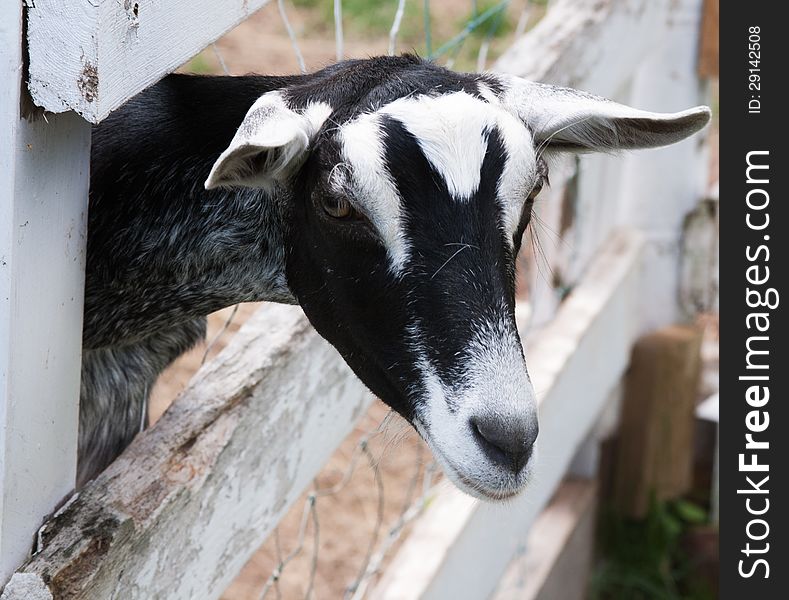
[(709, 48), (43, 209)]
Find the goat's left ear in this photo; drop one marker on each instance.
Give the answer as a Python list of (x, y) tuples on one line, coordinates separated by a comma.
[(564, 119), (270, 142)]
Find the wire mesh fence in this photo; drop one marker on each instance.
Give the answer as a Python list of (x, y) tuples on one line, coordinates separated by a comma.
[(383, 530), (462, 34)]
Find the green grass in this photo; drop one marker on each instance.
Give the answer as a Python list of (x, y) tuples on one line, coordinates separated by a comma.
[(199, 65), (373, 19), (643, 559), (497, 26)]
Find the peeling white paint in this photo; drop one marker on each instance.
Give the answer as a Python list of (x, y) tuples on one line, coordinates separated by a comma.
[(92, 56)]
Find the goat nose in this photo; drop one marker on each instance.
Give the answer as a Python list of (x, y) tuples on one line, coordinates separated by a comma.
[(507, 443)]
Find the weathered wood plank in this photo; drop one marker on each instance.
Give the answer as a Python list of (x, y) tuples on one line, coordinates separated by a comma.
[(43, 207), (659, 187), (183, 508), (557, 558), (92, 56), (574, 362), (580, 43)]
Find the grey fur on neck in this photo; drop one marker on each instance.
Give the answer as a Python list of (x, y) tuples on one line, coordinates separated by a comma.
[(162, 251), (185, 267), (114, 392), (150, 307)]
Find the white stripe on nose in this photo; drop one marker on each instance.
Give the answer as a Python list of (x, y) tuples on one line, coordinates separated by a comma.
[(451, 130)]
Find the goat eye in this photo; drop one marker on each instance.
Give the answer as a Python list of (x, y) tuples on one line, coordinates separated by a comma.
[(336, 206), (536, 189), (542, 178)]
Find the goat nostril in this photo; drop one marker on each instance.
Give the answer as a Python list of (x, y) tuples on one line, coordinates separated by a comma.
[(488, 443), (504, 444)]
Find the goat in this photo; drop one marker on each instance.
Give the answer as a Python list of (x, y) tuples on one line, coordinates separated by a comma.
[(387, 196)]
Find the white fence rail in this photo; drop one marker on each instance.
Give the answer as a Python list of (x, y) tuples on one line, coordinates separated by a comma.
[(198, 492), (92, 56)]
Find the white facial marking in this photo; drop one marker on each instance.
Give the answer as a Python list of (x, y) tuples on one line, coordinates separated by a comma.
[(363, 152), (520, 170), (452, 132), (494, 382)]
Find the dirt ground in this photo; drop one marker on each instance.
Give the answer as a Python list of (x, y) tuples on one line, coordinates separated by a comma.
[(346, 520)]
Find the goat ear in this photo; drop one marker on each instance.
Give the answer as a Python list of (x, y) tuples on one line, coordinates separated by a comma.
[(270, 142), (564, 119)]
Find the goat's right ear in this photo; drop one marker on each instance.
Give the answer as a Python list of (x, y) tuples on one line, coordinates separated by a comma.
[(568, 120), (270, 142)]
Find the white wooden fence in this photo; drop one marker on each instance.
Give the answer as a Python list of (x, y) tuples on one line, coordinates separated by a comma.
[(178, 514)]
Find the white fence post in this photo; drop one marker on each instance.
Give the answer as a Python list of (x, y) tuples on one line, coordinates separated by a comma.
[(43, 209)]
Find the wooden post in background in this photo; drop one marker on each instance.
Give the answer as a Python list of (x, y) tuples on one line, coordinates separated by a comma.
[(709, 45), (655, 450)]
